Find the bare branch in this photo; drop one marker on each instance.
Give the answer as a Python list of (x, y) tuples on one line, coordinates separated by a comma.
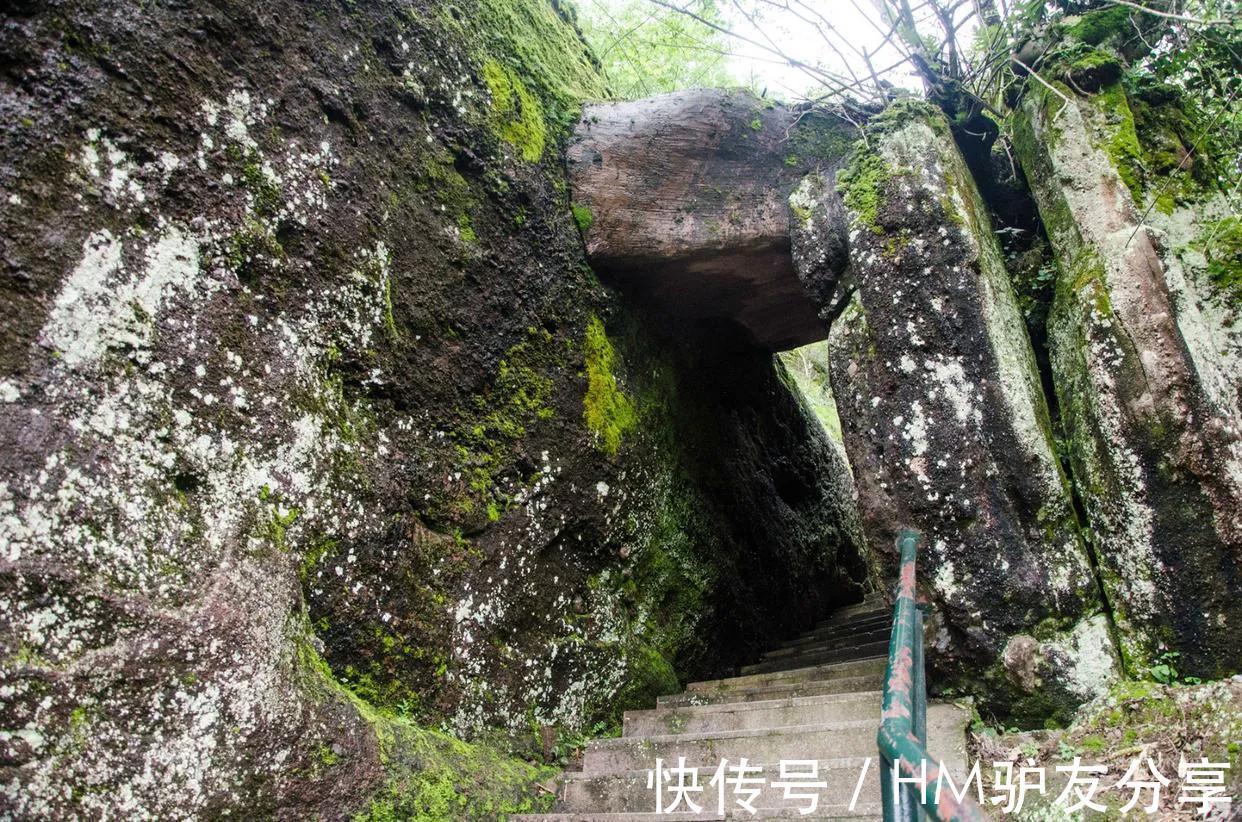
[(815, 73), (784, 6), (1046, 85), (1181, 18)]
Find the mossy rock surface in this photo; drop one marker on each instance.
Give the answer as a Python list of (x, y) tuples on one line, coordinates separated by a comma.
[(362, 482), (1126, 206)]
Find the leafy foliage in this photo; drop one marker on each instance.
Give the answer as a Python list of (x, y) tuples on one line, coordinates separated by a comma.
[(1205, 62), (646, 49)]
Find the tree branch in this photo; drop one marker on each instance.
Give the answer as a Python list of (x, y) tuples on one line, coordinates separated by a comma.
[(1045, 84), (1182, 18)]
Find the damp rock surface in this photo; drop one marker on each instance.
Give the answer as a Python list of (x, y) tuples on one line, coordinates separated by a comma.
[(947, 429), (1144, 346), (320, 440), (684, 202)]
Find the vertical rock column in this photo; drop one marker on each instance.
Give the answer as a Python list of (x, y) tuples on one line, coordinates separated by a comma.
[(948, 431), (1146, 363)]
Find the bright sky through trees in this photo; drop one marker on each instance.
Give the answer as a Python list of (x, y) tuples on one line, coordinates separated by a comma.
[(835, 37)]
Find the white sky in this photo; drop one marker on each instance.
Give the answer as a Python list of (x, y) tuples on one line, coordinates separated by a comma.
[(803, 41), (799, 35)]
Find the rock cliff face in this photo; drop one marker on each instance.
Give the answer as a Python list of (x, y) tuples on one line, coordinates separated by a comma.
[(1145, 347), (318, 431), (947, 429)]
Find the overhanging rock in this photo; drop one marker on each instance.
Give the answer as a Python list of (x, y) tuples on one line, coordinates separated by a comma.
[(683, 200)]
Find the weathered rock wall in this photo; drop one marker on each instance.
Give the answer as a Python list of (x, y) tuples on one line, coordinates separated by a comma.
[(947, 429), (317, 428), (1145, 346)]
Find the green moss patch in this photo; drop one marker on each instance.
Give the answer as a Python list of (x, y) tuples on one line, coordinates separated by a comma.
[(498, 416), (1100, 26), (518, 114), (608, 411), (861, 184), (1093, 68), (436, 777), (648, 674), (1133, 719), (465, 227), (1123, 143), (1221, 244), (543, 37), (431, 776), (534, 62), (583, 217)]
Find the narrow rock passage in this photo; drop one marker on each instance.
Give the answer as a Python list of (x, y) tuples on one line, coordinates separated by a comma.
[(815, 697)]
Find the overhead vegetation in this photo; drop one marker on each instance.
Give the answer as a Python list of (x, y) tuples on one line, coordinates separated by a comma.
[(647, 49)]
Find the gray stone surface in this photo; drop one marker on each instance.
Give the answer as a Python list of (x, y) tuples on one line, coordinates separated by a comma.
[(688, 201), (947, 429)]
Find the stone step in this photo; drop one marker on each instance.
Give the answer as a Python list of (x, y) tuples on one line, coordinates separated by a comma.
[(863, 610), (856, 667), (841, 685), (865, 650), (946, 725), (628, 792), (853, 606), (879, 634), (823, 632), (827, 633), (733, 716), (868, 812), (833, 643)]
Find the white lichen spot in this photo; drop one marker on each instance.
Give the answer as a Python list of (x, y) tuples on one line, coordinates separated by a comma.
[(944, 580), (102, 306), (1092, 664), (950, 377)]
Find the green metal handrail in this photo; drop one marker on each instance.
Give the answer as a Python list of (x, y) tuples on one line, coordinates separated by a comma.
[(903, 727)]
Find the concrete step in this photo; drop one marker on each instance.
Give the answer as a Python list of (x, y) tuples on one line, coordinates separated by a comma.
[(836, 627), (837, 670), (829, 740), (824, 632), (829, 634), (818, 697), (629, 792), (864, 650), (879, 634), (868, 604), (946, 725), (868, 812), (735, 716), (863, 610), (841, 685)]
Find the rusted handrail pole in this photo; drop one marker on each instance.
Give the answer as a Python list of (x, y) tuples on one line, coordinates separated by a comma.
[(903, 728)]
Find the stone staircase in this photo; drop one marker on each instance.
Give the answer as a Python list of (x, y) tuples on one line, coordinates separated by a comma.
[(815, 697)]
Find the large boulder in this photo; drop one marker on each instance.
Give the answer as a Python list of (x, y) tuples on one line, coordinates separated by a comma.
[(684, 202), (1146, 351), (947, 429)]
